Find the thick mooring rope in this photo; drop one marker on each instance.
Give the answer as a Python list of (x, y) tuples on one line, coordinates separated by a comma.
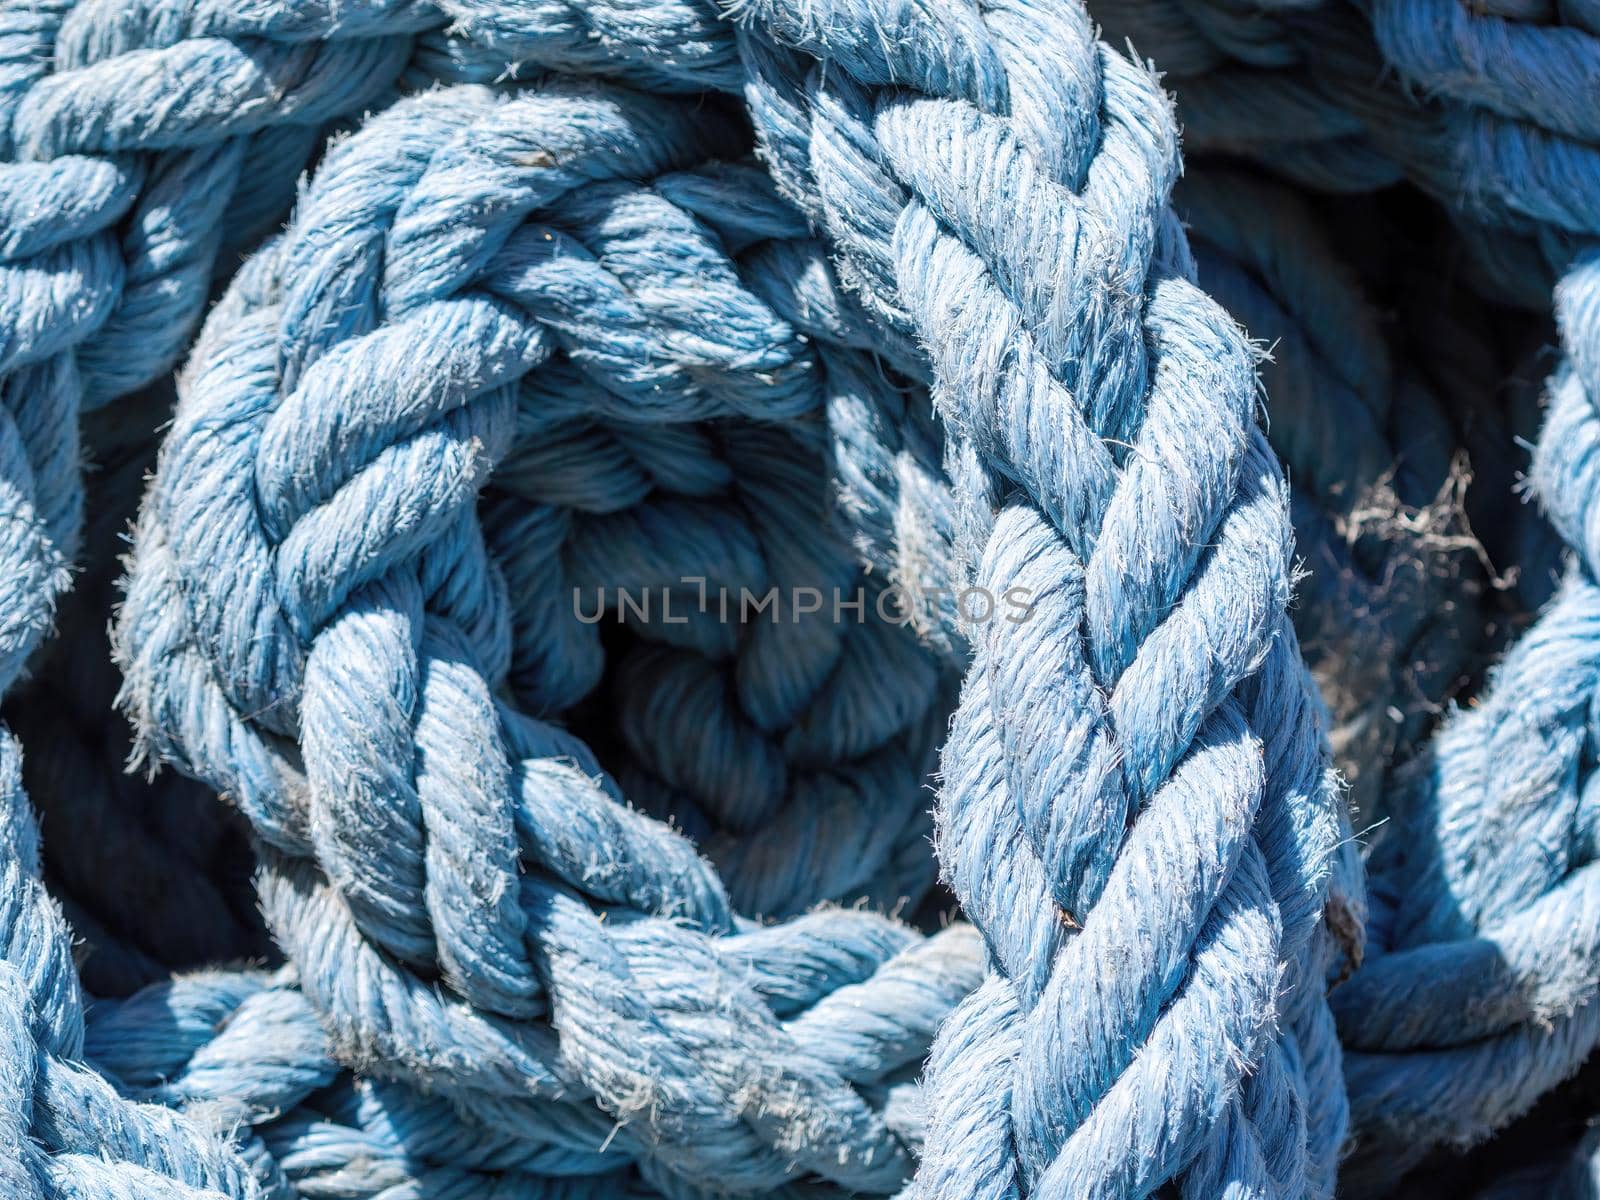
[(730, 563)]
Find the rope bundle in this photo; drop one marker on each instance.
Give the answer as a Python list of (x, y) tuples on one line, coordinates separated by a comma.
[(539, 344)]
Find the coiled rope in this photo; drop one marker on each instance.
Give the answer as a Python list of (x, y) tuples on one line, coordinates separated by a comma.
[(276, 632), (475, 866), (548, 323)]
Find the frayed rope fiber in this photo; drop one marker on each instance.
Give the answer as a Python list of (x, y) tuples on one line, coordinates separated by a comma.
[(740, 574)]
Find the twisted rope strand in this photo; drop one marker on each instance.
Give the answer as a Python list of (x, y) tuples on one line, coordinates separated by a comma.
[(533, 336), (1465, 922), (937, 245)]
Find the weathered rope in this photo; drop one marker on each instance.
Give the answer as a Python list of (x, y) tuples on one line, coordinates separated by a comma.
[(64, 1130), (1062, 432), (152, 873), (270, 634), (1480, 886), (548, 331), (46, 416), (476, 866), (246, 1047), (124, 135)]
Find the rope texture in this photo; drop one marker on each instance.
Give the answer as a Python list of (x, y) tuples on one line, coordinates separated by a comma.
[(541, 327), (1480, 887), (439, 913)]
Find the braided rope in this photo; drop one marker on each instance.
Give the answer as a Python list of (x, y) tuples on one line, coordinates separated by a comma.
[(123, 137), (260, 639), (152, 873), (1064, 436), (521, 340), (248, 1045), (1481, 890), (129, 320), (795, 750)]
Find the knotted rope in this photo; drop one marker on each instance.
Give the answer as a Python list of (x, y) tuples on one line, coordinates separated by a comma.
[(299, 60), (247, 1047), (542, 338), (124, 135), (295, 667), (432, 854)]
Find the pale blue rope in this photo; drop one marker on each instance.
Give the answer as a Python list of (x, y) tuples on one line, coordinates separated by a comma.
[(956, 253), (263, 672), (1481, 895), (414, 851)]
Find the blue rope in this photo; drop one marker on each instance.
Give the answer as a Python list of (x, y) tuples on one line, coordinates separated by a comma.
[(248, 1045), (1061, 432), (418, 604), (123, 143), (431, 856), (617, 905), (1462, 927), (1480, 901), (66, 1130), (152, 873)]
